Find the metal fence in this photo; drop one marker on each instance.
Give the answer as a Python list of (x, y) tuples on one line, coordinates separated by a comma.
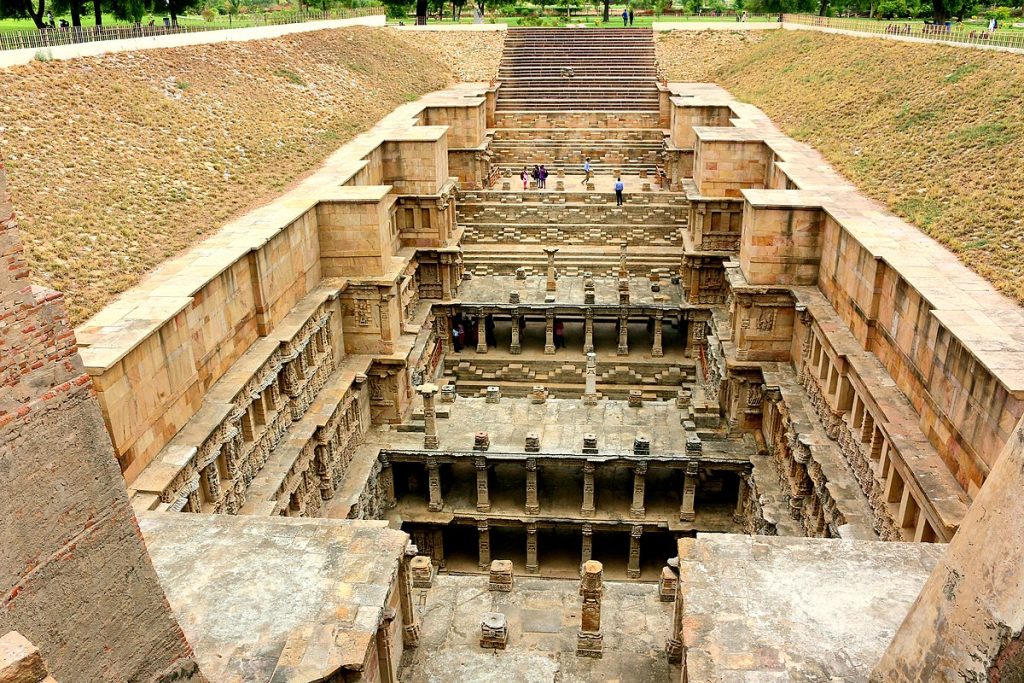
[(945, 33), (51, 37)]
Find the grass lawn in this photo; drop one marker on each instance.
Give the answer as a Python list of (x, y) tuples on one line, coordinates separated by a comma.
[(615, 20), (110, 21)]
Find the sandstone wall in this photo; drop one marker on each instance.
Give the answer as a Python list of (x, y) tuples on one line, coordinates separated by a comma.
[(75, 578)]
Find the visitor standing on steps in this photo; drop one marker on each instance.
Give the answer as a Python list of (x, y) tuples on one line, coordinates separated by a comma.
[(625, 18), (525, 175), (619, 187), (542, 178), (587, 173)]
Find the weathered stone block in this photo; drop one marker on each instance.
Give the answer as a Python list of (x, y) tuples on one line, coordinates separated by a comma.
[(641, 446), (481, 441), (636, 398), (448, 393), (532, 442), (493, 394), (422, 571), (667, 585), (590, 443), (501, 576), (494, 631)]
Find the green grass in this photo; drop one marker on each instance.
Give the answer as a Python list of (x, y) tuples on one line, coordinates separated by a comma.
[(615, 20), (88, 21), (290, 76), (985, 135)]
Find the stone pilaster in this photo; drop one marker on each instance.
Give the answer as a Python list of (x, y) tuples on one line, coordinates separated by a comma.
[(740, 514), (590, 387), (588, 509), (550, 253), (411, 627), (484, 531), (434, 485), (532, 566), (686, 512), (549, 332), (532, 502), (483, 499), (633, 566), (639, 485), (387, 481), (590, 640), (430, 439), (481, 334), (623, 348), (588, 331), (587, 549), (514, 348), (656, 348)]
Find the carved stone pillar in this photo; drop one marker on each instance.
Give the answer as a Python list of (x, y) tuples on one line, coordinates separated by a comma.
[(590, 381), (532, 504), (589, 640), (656, 350), (515, 348), (387, 482), (549, 332), (623, 266), (623, 349), (633, 567), (550, 252), (588, 543), (485, 544), (588, 331), (674, 646), (588, 509), (481, 332), (740, 514), (686, 512), (639, 485), (483, 499), (532, 567), (427, 391), (411, 627), (434, 485)]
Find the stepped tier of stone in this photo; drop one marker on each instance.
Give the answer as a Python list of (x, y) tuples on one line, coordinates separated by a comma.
[(578, 69), (505, 217)]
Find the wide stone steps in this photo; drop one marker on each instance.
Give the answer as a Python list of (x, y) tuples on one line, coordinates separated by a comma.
[(579, 137), (512, 170), (578, 70), (592, 234), (577, 214)]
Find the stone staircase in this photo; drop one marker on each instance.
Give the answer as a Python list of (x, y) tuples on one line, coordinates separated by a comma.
[(571, 69)]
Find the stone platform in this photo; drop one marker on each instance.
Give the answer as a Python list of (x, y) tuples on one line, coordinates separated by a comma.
[(760, 608), (543, 617), (275, 599)]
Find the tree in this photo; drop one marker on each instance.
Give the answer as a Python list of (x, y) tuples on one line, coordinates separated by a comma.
[(127, 10), (73, 7), (24, 9)]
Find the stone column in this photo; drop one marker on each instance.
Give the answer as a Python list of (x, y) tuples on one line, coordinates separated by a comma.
[(741, 501), (483, 499), (589, 640), (623, 268), (549, 332), (686, 513), (588, 331), (532, 567), (639, 485), (698, 337), (550, 252), (588, 543), (532, 504), (485, 544), (481, 332), (656, 350), (387, 482), (588, 509), (411, 627), (427, 391), (674, 646), (623, 349), (590, 386), (633, 567), (434, 485), (515, 349)]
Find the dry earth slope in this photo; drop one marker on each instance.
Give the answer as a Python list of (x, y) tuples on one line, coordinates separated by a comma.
[(118, 162), (933, 131)]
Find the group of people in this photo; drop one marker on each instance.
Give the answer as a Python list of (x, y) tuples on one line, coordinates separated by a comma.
[(467, 333), (539, 175), (627, 17)]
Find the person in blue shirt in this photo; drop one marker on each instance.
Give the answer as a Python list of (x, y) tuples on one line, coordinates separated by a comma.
[(625, 17), (587, 174), (619, 187)]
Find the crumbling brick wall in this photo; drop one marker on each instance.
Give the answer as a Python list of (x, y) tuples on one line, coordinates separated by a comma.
[(75, 577)]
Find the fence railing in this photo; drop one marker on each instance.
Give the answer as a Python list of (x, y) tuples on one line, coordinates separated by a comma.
[(51, 37), (946, 33)]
